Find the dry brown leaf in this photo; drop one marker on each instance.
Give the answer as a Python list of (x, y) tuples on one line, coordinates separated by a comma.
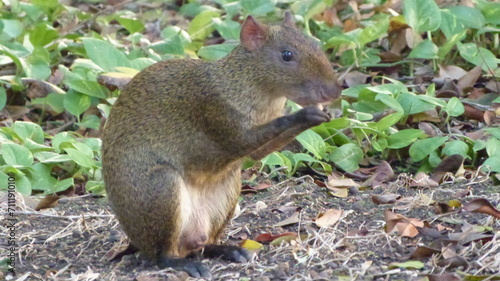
[(449, 89), (472, 112), (290, 220), (489, 117), (382, 174), (483, 206), (453, 262), (328, 218), (287, 209), (388, 198), (405, 227), (339, 183), (493, 86), (450, 164), (422, 252), (354, 78), (428, 129), (468, 80), (451, 71), (114, 80), (48, 201), (268, 237), (431, 116)]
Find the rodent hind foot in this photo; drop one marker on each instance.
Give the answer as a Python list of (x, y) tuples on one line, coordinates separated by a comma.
[(193, 268), (227, 252)]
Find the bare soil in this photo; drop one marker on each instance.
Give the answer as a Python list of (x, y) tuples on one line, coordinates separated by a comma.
[(71, 241)]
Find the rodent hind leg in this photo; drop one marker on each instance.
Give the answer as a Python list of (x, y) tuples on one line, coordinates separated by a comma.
[(227, 252), (193, 268)]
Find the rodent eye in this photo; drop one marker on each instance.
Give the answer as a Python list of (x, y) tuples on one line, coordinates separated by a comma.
[(287, 55)]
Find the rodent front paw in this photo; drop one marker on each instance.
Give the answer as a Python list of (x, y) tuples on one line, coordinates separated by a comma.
[(313, 116)]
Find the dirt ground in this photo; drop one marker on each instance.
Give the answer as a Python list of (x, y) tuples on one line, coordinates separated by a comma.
[(71, 241)]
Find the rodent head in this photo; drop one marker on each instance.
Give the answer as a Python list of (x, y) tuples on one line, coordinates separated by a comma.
[(290, 63)]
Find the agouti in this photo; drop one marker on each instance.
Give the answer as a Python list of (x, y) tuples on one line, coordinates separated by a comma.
[(177, 135)]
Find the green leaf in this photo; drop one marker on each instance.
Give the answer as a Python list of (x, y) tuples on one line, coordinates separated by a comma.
[(469, 17), (90, 121), (258, 7), (425, 50), (40, 177), (76, 103), (12, 28), (82, 84), (490, 10), (29, 130), (16, 155), (493, 147), (454, 107), (347, 157), (56, 102), (422, 148), (48, 157), (313, 143), (389, 120), (449, 24), (422, 15), (215, 52), (390, 102), (404, 138), (228, 29), (456, 147), (374, 30), (3, 97), (478, 55), (491, 164), (201, 26), (62, 185), (43, 34), (413, 104), (132, 25), (23, 184), (79, 157), (61, 138), (104, 54)]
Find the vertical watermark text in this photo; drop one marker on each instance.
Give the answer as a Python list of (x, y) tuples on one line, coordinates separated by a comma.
[(10, 225)]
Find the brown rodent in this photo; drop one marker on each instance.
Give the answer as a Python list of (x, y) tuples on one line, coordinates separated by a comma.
[(174, 143)]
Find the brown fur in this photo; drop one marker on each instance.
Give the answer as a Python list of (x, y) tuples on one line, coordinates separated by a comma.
[(176, 137)]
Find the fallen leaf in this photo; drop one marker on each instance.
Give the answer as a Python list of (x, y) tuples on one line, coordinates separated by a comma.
[(333, 182), (328, 218), (287, 238), (468, 80), (483, 206), (251, 245), (453, 262), (422, 252), (290, 220), (48, 201), (388, 198), (451, 71), (450, 164), (407, 265), (268, 237)]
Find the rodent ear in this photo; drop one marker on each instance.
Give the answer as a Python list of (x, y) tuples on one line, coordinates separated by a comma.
[(253, 34), (288, 20)]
